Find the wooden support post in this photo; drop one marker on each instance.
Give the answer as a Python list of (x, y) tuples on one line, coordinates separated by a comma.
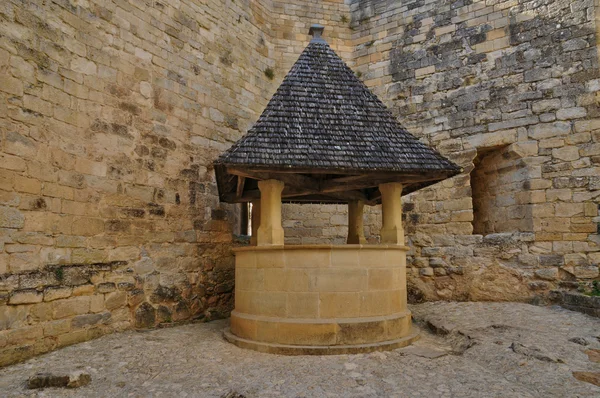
[(270, 231), (255, 221), (356, 230), (392, 231)]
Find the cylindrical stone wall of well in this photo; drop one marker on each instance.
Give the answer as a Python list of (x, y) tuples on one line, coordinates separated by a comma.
[(344, 297)]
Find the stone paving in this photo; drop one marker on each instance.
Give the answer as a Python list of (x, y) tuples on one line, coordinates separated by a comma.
[(477, 350)]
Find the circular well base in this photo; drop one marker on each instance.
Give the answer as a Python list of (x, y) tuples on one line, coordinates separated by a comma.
[(283, 349)]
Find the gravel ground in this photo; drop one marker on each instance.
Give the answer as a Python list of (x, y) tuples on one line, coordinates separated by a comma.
[(477, 350)]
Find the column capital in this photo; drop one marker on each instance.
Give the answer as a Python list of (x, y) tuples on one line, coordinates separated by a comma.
[(275, 185)]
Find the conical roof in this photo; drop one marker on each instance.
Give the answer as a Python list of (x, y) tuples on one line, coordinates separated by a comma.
[(324, 120)]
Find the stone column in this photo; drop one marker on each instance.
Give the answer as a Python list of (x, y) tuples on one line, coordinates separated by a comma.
[(270, 231), (356, 230), (255, 221), (392, 231)]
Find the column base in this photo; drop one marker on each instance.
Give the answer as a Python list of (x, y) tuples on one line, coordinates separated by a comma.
[(285, 349)]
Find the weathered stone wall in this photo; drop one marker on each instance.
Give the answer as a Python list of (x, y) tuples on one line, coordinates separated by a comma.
[(517, 79), (111, 113)]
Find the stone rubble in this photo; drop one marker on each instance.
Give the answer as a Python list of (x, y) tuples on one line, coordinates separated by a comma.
[(46, 380)]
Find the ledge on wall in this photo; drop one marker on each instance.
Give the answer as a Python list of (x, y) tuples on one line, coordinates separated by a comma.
[(573, 301)]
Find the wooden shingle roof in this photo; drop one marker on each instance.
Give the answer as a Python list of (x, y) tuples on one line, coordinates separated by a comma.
[(324, 123)]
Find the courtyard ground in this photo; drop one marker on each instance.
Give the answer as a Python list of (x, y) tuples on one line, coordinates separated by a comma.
[(466, 350)]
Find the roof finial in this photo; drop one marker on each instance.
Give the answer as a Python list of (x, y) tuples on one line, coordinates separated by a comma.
[(316, 31)]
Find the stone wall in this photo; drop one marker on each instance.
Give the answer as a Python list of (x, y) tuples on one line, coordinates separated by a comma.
[(111, 114), (112, 111), (323, 224), (518, 80)]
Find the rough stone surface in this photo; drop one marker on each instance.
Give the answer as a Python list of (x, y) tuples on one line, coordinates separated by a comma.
[(166, 361), (111, 115), (497, 87)]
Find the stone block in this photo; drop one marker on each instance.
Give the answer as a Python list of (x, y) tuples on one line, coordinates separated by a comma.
[(11, 218), (340, 280), (26, 296), (306, 333), (568, 209), (270, 259), (375, 303), (145, 316), (586, 272), (81, 321), (108, 287), (253, 279), (344, 258), (115, 300), (55, 328), (72, 337), (55, 293), (302, 305), (11, 85), (24, 335), (83, 65), (381, 278), (97, 303), (71, 307), (571, 113), (307, 258), (339, 305), (548, 130), (87, 226), (549, 274), (81, 290), (546, 105), (268, 304), (567, 153), (244, 328)]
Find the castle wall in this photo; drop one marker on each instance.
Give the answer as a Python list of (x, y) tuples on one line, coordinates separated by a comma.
[(517, 81), (111, 114)]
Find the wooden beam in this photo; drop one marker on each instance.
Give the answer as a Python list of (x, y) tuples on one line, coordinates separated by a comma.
[(345, 179), (375, 196), (294, 193), (373, 182), (341, 188), (295, 180)]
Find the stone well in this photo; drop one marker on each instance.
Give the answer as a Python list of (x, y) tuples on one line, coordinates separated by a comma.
[(324, 138), (322, 299)]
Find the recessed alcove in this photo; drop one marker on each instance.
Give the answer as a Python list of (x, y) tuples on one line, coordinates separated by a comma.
[(501, 200)]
